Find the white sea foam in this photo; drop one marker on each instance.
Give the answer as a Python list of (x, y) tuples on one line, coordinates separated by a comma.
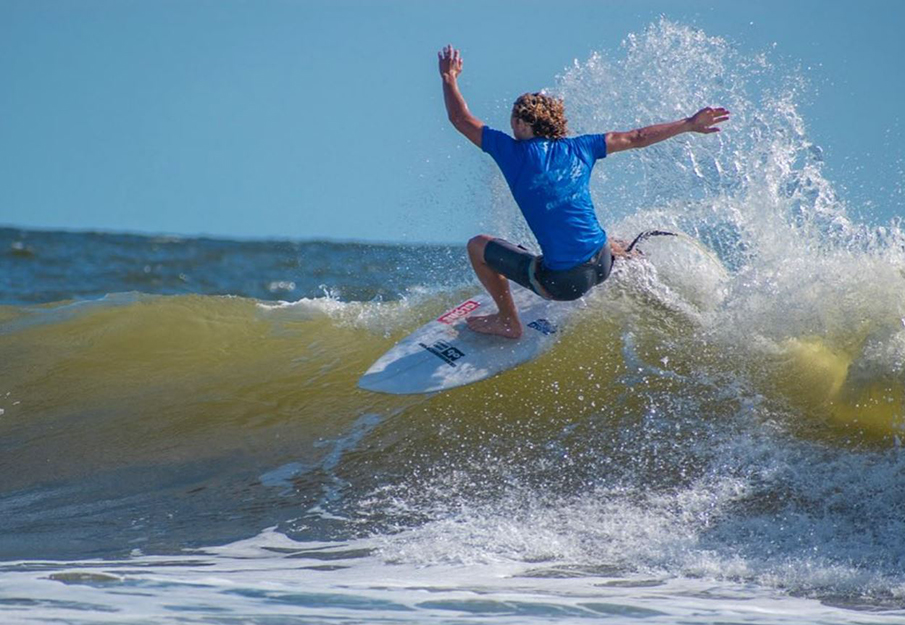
[(272, 577)]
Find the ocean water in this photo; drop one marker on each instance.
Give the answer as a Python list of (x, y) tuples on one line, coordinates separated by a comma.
[(716, 438)]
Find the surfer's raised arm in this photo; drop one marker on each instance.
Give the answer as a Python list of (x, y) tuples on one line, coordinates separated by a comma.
[(459, 115), (704, 121)]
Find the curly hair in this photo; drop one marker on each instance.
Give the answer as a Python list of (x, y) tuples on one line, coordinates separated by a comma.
[(545, 114)]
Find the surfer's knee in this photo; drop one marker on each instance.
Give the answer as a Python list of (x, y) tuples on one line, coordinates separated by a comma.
[(476, 245)]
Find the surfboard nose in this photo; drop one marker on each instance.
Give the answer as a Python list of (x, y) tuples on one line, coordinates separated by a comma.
[(445, 354)]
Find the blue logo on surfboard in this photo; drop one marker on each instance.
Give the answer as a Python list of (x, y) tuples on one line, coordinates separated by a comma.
[(543, 326)]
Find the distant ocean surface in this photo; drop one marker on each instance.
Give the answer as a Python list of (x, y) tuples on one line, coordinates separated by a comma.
[(717, 437), (41, 267)]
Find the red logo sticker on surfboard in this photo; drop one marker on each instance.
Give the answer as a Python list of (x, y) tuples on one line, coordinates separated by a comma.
[(451, 316)]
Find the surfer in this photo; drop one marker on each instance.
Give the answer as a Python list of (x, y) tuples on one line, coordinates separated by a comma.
[(548, 175)]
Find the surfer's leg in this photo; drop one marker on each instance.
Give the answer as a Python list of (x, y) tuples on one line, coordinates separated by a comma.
[(506, 321)]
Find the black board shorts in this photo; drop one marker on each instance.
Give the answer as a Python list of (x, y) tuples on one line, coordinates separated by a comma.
[(523, 267)]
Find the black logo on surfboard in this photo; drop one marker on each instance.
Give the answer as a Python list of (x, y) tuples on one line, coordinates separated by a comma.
[(444, 351)]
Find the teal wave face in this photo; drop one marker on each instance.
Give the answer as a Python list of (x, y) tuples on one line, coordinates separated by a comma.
[(171, 421)]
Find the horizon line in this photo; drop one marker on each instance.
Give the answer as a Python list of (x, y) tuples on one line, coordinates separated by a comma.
[(216, 237)]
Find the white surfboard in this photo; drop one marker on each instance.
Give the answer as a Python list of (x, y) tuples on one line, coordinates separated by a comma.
[(445, 353)]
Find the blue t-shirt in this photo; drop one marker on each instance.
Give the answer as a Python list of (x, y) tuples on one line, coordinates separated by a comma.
[(549, 181)]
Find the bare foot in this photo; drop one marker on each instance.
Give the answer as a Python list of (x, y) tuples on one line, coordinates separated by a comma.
[(494, 324)]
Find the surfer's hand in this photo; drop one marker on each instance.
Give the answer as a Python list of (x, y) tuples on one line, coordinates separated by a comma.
[(617, 249), (450, 62), (705, 120)]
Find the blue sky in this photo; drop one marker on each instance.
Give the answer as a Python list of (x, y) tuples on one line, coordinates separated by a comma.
[(324, 119)]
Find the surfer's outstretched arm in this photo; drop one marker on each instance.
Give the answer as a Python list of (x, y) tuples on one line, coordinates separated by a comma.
[(704, 121), (459, 115)]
